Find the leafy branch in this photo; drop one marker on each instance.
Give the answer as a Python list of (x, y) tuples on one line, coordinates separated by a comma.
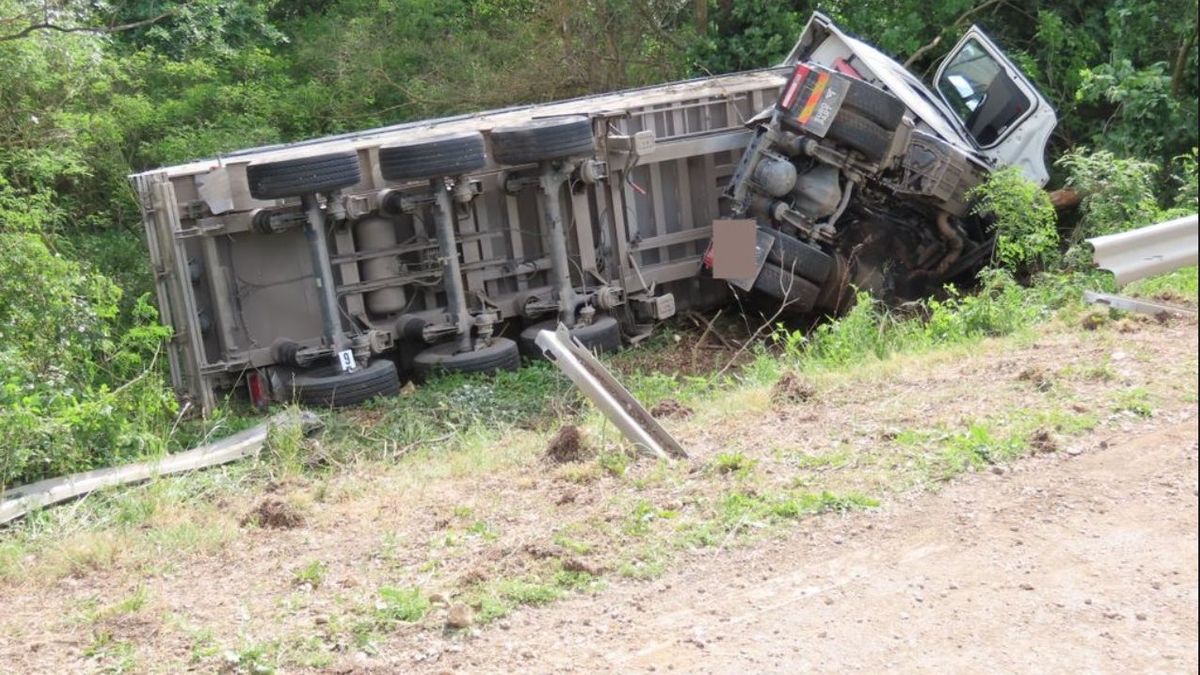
[(46, 25)]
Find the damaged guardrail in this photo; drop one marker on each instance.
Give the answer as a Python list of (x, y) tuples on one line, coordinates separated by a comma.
[(21, 500), (1147, 251), (609, 395)]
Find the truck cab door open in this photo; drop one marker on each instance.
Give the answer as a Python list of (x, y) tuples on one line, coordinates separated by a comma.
[(996, 106)]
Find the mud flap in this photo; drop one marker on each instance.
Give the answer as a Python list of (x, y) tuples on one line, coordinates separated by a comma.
[(762, 244)]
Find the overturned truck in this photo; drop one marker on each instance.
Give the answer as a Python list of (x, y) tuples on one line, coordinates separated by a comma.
[(324, 271)]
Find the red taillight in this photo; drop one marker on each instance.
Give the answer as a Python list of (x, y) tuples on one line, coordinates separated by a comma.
[(793, 87), (258, 390), (845, 68)]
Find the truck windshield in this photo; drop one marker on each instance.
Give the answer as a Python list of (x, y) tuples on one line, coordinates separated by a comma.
[(981, 93)]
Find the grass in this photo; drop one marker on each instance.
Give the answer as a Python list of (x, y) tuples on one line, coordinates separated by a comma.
[(645, 563), (461, 430), (871, 331), (976, 447), (836, 459), (1135, 400), (733, 463), (737, 509), (111, 655), (258, 658), (498, 598), (572, 545), (400, 605), (390, 607), (642, 517), (311, 575), (1178, 285)]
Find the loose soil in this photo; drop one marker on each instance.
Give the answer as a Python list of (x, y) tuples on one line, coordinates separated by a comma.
[(274, 513), (1082, 556), (1062, 564), (568, 445), (671, 409)]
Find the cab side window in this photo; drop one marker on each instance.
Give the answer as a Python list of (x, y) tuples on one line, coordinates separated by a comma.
[(982, 94)]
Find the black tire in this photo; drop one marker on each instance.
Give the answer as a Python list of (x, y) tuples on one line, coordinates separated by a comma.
[(602, 335), (837, 295), (327, 387), (874, 104), (433, 158), (799, 258), (306, 175), (797, 294), (859, 133), (539, 140), (501, 354)]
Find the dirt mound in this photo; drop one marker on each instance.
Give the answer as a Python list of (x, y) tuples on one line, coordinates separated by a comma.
[(1042, 441), (671, 409), (568, 445), (792, 388), (1038, 377), (274, 513), (576, 565), (1094, 319), (1171, 297)]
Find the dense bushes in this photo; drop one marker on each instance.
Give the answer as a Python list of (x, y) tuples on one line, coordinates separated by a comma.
[(1120, 193), (77, 388), (1026, 225)]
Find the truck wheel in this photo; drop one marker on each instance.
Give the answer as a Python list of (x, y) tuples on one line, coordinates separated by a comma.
[(602, 335), (859, 133), (799, 258), (306, 175), (837, 295), (540, 140), (328, 387), (797, 294), (874, 104), (433, 158), (501, 354)]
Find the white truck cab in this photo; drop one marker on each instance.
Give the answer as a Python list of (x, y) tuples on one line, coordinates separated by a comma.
[(979, 101)]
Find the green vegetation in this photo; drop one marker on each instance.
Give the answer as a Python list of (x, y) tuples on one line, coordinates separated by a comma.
[(1178, 285), (311, 575), (82, 362), (872, 331), (391, 607), (737, 509), (115, 88), (635, 523), (256, 658), (1026, 224), (733, 462), (500, 597), (1135, 400)]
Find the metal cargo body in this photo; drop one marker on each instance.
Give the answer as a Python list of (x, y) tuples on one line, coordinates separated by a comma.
[(235, 280)]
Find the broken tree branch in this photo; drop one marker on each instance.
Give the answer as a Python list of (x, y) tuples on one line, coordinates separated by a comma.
[(95, 30), (932, 44)]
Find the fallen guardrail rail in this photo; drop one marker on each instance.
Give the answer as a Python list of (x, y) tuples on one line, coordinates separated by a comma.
[(21, 500), (1135, 304), (1147, 251), (609, 395)]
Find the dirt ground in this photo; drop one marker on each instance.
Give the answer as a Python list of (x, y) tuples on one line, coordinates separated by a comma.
[(1067, 563), (1082, 556)]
